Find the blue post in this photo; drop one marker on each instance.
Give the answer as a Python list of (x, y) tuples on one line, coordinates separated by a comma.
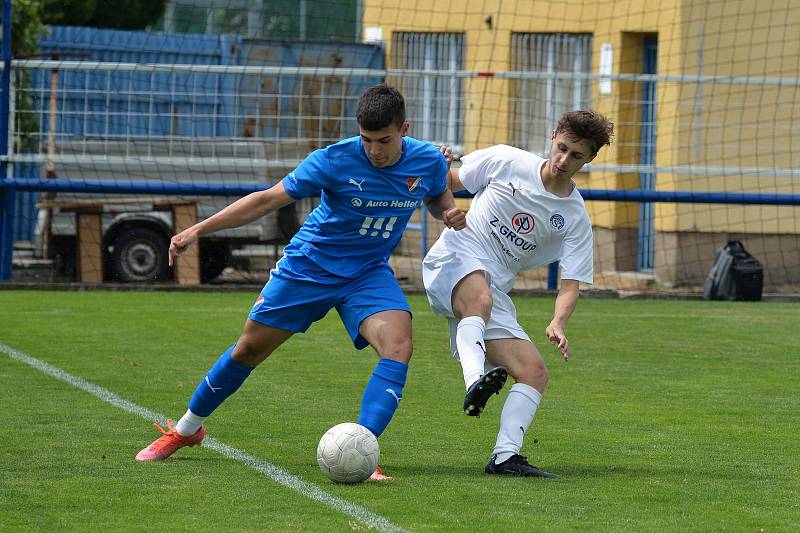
[(424, 225), (7, 200), (552, 276), (647, 157), (6, 195)]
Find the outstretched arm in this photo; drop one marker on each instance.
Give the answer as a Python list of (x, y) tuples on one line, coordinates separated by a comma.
[(566, 301), (239, 213)]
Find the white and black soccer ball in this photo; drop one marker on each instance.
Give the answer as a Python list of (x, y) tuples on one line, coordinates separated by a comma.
[(348, 453)]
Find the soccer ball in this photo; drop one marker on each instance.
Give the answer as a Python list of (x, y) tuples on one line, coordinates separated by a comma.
[(348, 453)]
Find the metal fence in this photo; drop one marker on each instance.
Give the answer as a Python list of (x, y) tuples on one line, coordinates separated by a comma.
[(242, 114)]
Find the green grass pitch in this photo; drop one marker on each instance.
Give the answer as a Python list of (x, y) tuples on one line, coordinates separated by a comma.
[(670, 415)]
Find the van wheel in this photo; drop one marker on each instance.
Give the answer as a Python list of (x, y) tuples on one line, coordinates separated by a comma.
[(214, 257), (140, 254)]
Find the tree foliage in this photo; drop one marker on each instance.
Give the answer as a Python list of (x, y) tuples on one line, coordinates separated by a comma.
[(26, 29), (26, 26), (114, 14), (68, 12)]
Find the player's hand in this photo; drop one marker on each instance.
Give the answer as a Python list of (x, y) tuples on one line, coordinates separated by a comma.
[(447, 153), (180, 242), (557, 337), (455, 218)]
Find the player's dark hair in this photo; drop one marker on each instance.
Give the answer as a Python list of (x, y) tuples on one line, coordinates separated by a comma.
[(380, 106), (589, 126)]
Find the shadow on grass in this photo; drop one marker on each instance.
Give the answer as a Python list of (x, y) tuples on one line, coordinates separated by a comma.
[(565, 471)]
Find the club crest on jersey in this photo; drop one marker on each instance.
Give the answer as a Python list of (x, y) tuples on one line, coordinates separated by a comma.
[(413, 183), (557, 221), (523, 223), (259, 301)]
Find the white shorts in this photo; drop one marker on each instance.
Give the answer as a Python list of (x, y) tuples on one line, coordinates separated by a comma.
[(441, 274)]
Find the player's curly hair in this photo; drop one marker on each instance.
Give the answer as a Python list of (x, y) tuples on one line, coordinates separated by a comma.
[(380, 106), (587, 125)]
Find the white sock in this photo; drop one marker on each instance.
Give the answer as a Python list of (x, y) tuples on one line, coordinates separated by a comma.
[(516, 418), (189, 424), (471, 347)]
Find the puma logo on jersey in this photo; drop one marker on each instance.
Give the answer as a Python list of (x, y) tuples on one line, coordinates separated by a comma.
[(210, 386), (513, 189), (394, 394), (358, 184)]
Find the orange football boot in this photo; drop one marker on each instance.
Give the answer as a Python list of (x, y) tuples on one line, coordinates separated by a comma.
[(377, 475), (169, 442)]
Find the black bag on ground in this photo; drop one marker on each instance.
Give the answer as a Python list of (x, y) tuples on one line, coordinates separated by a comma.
[(735, 275)]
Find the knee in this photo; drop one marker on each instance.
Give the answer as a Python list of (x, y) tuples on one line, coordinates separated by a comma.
[(484, 303), (534, 373), (249, 351), (479, 304), (541, 373), (475, 302), (398, 348)]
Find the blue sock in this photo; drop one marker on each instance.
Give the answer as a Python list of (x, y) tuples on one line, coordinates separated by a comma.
[(224, 378), (382, 395)]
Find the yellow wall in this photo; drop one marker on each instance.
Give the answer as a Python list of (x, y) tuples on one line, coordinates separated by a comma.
[(711, 124)]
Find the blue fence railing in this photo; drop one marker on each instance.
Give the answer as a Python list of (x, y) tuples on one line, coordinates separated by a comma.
[(227, 189)]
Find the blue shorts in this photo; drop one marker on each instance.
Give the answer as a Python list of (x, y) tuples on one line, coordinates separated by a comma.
[(300, 292)]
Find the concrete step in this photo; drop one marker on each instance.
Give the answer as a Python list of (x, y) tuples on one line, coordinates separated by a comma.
[(24, 245), (625, 281), (30, 262)]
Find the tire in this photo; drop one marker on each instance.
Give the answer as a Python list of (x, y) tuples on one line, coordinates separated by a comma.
[(214, 257), (62, 252), (140, 254)]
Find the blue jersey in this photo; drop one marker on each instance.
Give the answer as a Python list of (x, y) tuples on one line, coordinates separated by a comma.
[(363, 210)]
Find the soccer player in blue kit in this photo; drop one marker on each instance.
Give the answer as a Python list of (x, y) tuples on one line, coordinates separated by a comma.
[(369, 186)]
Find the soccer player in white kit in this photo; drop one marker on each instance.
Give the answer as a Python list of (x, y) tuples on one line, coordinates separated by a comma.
[(526, 213)]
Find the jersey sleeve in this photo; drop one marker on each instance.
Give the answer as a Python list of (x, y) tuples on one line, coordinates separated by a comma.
[(308, 178), (439, 175), (577, 261), (480, 167)]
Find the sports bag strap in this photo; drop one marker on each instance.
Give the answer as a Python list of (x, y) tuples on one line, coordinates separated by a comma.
[(737, 249)]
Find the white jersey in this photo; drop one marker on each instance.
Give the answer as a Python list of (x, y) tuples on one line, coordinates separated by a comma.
[(514, 224)]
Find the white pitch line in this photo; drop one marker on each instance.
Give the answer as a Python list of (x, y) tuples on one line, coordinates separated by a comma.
[(275, 473)]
